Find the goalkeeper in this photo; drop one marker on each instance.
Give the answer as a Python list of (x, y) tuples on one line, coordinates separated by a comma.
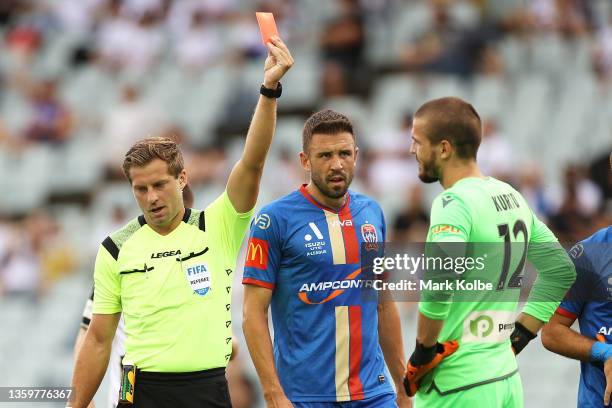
[(463, 356)]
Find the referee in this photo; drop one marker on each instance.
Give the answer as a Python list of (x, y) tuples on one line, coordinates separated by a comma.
[(169, 271)]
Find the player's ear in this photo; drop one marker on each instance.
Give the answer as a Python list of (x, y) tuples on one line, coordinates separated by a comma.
[(305, 161), (182, 179), (445, 149)]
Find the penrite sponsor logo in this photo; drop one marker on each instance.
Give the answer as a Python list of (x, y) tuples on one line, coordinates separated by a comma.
[(165, 254), (488, 326), (482, 326), (338, 287)]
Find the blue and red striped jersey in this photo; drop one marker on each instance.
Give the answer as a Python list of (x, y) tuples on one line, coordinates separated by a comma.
[(589, 300), (325, 331)]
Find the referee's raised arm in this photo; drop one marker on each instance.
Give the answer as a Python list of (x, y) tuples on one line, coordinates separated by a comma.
[(243, 183)]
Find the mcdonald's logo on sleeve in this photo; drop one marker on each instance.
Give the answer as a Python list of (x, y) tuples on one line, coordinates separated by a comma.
[(257, 253)]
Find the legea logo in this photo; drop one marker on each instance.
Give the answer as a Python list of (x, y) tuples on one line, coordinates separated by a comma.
[(481, 326)]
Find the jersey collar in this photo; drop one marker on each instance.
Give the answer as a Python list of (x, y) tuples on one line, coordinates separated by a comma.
[(142, 221), (310, 198)]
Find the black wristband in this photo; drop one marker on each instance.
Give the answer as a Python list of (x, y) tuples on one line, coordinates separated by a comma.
[(423, 355), (271, 93), (520, 337)]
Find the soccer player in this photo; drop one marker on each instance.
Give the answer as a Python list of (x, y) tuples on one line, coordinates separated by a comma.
[(463, 356), (589, 302), (303, 258), (169, 271)]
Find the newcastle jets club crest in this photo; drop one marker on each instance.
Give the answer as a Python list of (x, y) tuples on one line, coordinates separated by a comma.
[(370, 237)]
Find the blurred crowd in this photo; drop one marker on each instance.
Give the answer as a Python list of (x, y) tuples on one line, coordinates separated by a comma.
[(104, 73), (45, 44), (100, 74)]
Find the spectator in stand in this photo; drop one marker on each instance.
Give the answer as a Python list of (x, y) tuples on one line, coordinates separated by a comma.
[(581, 201), (392, 167), (601, 175), (50, 120), (76, 17), (602, 50), (411, 224), (130, 120), (449, 47), (134, 44), (197, 46), (342, 44), (495, 153), (31, 253), (531, 186), (570, 18)]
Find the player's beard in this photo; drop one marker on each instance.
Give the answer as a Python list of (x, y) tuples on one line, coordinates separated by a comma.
[(428, 171), (322, 184)]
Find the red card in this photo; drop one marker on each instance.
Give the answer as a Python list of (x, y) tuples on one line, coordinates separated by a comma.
[(267, 26)]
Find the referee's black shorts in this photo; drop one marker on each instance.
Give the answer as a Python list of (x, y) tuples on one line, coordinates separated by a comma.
[(200, 389)]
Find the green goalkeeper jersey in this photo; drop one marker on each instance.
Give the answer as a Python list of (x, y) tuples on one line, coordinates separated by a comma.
[(491, 222)]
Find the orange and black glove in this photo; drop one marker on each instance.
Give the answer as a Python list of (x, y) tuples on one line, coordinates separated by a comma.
[(423, 360), (520, 337)]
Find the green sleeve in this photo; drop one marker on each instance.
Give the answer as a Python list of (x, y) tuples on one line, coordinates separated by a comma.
[(231, 224), (556, 272), (450, 219), (107, 287), (451, 222)]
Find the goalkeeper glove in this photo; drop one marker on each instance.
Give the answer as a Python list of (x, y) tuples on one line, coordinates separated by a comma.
[(423, 360), (520, 337)]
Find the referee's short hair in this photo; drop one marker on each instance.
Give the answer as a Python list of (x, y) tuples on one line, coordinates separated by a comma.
[(455, 120), (146, 150), (327, 122)]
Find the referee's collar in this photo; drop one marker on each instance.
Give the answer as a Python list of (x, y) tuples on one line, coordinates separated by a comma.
[(142, 221)]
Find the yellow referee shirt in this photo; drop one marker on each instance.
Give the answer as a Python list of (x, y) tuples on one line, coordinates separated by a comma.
[(174, 290)]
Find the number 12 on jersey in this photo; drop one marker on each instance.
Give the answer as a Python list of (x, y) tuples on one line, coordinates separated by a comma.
[(517, 276)]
